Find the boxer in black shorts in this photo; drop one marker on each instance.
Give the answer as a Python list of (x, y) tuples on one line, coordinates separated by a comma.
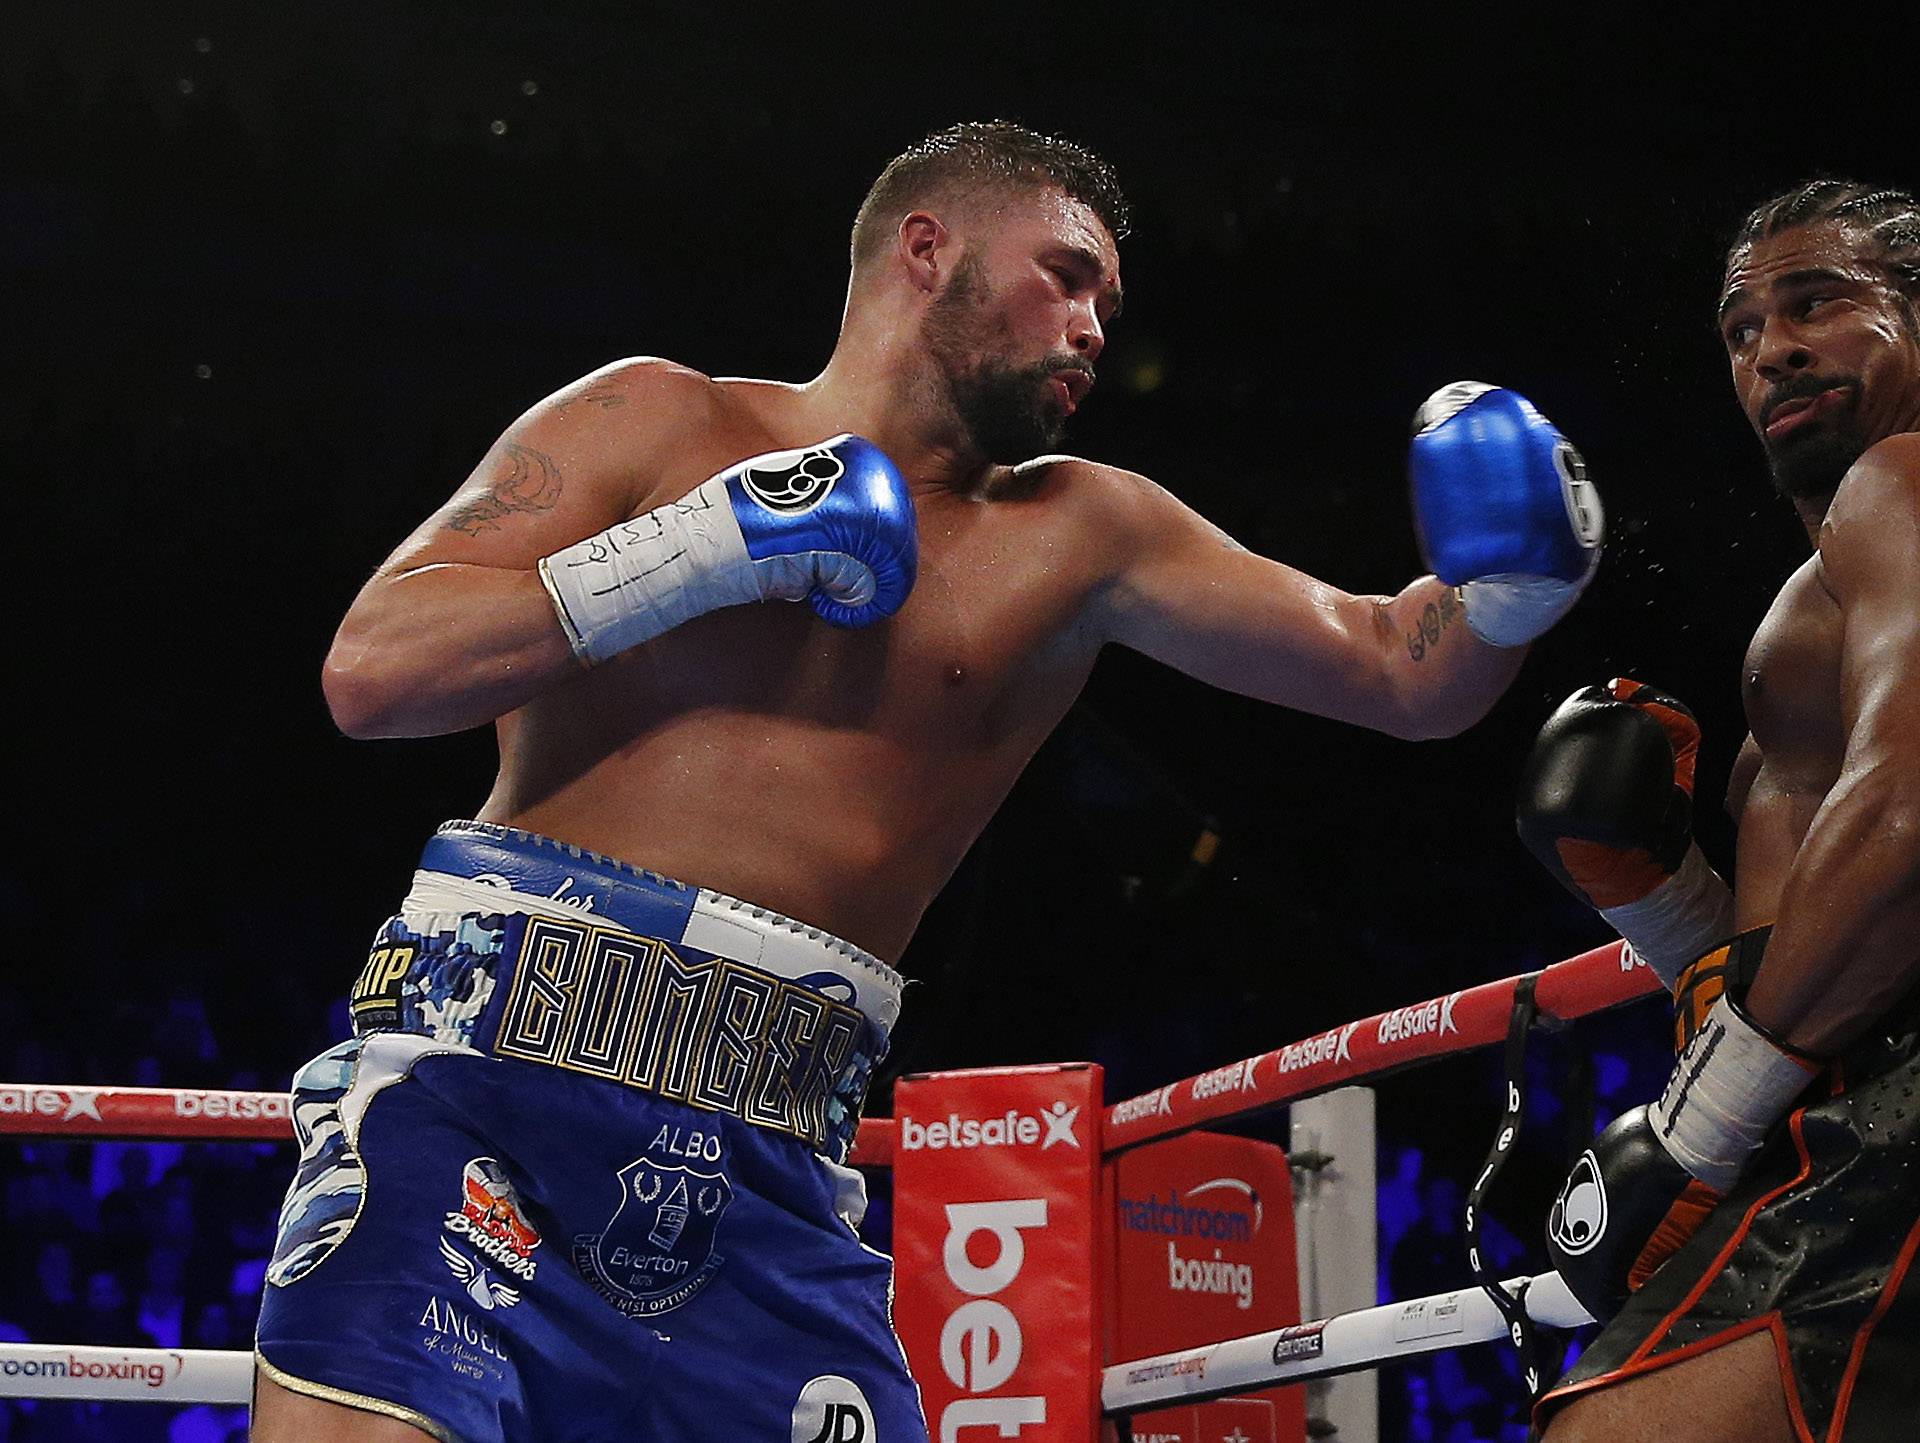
[(1749, 1238)]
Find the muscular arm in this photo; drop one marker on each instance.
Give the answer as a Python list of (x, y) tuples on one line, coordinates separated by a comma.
[(455, 628), (1843, 948), (1188, 595)]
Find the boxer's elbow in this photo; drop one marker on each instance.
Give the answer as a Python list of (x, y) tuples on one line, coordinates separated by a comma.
[(1425, 709), (1386, 703), (366, 690), (1424, 720), (356, 698), (1434, 717)]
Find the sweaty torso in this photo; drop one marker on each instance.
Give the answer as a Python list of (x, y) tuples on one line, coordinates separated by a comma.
[(836, 776), (1791, 685)]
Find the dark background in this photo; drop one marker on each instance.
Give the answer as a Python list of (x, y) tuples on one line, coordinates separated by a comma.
[(272, 278)]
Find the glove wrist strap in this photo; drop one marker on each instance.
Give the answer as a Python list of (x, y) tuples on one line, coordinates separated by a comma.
[(1683, 918), (1731, 1085), (1511, 610)]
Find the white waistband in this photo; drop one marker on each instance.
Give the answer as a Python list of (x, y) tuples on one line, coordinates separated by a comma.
[(725, 926)]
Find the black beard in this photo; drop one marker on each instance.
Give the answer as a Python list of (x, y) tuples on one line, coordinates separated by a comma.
[(1006, 411), (1813, 464)]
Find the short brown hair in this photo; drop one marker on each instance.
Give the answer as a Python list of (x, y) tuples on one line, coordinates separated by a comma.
[(977, 154)]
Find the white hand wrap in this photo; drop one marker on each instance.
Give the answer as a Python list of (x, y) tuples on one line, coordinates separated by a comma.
[(645, 576), (1731, 1085), (1682, 919), (1513, 610)]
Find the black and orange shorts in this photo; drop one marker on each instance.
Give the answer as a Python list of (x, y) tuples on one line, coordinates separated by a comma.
[(1815, 1247)]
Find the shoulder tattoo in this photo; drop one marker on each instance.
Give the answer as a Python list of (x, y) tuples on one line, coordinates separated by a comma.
[(527, 481)]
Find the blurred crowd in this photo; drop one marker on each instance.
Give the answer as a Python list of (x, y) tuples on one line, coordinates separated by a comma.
[(132, 1244)]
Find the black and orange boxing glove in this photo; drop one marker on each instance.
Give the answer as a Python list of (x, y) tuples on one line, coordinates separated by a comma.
[(1651, 1179), (1606, 804)]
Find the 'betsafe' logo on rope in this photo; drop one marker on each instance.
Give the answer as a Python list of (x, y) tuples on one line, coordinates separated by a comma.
[(62, 1102), (1329, 1046), (1234, 1077), (1047, 1127), (1404, 1023), (216, 1104), (1158, 1103)]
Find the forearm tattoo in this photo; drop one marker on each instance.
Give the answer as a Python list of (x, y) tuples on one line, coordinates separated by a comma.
[(1436, 618), (528, 482)]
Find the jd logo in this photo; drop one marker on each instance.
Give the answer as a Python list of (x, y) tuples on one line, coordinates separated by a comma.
[(657, 1249), (832, 1409)]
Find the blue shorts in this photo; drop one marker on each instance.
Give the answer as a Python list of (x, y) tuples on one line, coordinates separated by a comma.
[(579, 1175)]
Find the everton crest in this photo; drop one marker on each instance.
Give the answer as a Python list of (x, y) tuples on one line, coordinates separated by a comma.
[(657, 1249)]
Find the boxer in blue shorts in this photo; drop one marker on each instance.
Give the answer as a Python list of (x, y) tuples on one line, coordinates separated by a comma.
[(584, 1154), (615, 1106)]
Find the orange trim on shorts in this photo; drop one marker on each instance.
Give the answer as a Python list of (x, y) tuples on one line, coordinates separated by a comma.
[(1790, 1385), (1844, 1399)]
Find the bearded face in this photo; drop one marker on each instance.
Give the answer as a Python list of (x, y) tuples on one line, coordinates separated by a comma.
[(1007, 406), (1824, 356), (1811, 460)]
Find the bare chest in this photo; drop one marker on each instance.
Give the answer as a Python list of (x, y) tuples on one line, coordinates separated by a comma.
[(1791, 685), (991, 645)]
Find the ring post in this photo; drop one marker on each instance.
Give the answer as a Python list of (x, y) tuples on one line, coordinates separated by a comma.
[(1333, 1202), (996, 1221)]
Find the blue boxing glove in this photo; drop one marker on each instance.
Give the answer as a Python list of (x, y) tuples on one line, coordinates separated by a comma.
[(1504, 509), (830, 524)]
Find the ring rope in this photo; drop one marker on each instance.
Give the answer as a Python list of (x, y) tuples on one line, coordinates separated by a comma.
[(1358, 1051), (212, 1114), (1370, 1047), (125, 1375), (1339, 1344), (1373, 1047), (1343, 1343), (1513, 1307)]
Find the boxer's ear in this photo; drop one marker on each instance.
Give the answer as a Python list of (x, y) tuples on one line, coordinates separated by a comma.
[(926, 249)]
